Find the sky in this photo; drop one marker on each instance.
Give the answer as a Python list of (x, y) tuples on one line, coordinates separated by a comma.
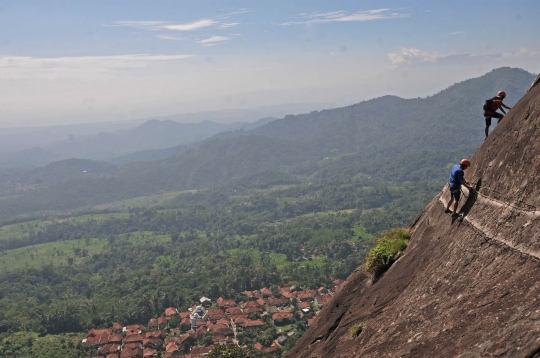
[(82, 61)]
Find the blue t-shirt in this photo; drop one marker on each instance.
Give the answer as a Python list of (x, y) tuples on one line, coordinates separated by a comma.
[(456, 177)]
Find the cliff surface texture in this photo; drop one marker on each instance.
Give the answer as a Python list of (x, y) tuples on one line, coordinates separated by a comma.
[(466, 286)]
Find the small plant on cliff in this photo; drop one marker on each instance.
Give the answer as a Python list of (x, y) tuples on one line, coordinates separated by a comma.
[(388, 249), (355, 330)]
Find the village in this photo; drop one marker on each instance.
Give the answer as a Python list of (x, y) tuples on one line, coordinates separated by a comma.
[(262, 323)]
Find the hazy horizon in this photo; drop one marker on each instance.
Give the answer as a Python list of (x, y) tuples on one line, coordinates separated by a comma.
[(70, 63)]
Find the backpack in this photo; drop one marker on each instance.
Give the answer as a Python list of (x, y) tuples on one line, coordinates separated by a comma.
[(488, 103)]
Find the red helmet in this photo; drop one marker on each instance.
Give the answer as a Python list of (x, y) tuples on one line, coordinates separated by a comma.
[(501, 94), (465, 162)]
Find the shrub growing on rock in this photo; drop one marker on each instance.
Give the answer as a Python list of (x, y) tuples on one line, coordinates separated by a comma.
[(388, 249)]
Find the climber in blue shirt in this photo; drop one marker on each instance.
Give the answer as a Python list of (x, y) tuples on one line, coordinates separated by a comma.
[(457, 178)]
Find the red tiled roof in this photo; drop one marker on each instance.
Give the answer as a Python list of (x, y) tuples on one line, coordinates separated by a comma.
[(110, 348), (249, 304), (184, 314), (222, 302), (170, 311), (152, 322), (113, 355), (282, 315), (150, 352), (117, 325), (303, 305), (133, 338), (278, 301), (256, 323), (266, 291), (273, 347), (306, 295), (233, 310), (250, 310), (131, 352), (311, 320), (163, 320), (156, 334), (261, 302), (171, 347), (115, 338)]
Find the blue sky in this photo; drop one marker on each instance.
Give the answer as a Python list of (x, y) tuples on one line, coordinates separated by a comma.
[(85, 61)]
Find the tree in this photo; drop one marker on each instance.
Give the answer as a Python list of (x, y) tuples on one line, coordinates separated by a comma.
[(228, 351)]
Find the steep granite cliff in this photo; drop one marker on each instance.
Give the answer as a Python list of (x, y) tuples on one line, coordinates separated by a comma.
[(466, 287)]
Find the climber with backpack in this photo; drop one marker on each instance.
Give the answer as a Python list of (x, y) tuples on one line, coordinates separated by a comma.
[(457, 178), (490, 109)]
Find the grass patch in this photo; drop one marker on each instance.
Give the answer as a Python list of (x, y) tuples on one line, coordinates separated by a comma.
[(59, 253), (388, 249), (355, 330)]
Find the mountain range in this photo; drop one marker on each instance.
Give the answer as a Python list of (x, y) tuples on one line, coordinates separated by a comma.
[(389, 137)]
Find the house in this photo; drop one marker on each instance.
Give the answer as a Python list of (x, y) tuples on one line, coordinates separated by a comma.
[(161, 334), (163, 321), (239, 319), (184, 314), (110, 348), (133, 338), (152, 323), (282, 317), (250, 310), (321, 300), (170, 311), (115, 338), (286, 292), (131, 351), (303, 306), (266, 291), (198, 315), (112, 355), (273, 347), (206, 302), (282, 339), (308, 295), (224, 321), (311, 320), (201, 331), (171, 347), (133, 329), (199, 351), (233, 311), (224, 303), (322, 290), (215, 314), (278, 302), (185, 321), (250, 304), (150, 353), (151, 342), (117, 327), (97, 337), (261, 302), (248, 323), (253, 295), (219, 338)]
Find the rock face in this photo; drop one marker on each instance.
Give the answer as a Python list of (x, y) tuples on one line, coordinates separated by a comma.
[(466, 287)]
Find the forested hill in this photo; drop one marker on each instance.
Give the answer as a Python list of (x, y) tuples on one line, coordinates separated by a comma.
[(389, 138), (449, 119)]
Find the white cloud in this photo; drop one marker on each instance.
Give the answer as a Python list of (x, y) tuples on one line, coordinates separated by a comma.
[(214, 39), (166, 25), (342, 16), (30, 67), (191, 25), (226, 25), (520, 53), (414, 55), (170, 37)]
